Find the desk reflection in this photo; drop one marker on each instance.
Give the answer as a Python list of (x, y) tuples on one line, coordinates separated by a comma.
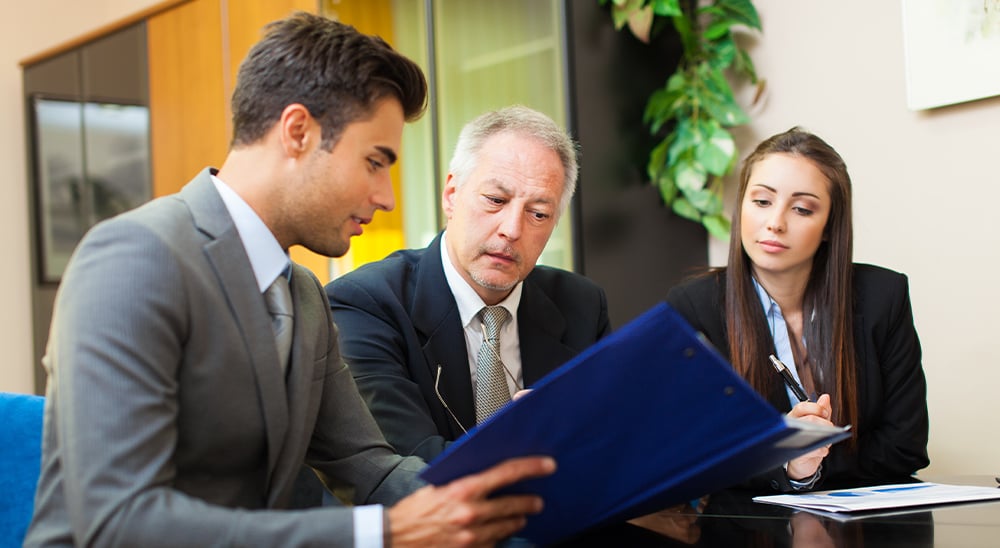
[(732, 519), (679, 522)]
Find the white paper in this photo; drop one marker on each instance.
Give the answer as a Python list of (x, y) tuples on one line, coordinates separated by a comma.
[(883, 496)]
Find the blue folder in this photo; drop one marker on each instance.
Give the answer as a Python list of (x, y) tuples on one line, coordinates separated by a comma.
[(647, 417)]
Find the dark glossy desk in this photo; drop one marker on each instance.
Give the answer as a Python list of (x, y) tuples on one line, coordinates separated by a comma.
[(732, 519)]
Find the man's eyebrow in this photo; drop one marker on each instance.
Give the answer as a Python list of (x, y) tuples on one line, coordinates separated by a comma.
[(388, 152), (506, 189)]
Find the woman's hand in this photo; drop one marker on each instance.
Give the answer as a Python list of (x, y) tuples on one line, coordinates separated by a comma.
[(819, 412)]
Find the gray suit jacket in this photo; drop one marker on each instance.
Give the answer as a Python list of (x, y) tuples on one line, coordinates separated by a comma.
[(168, 422)]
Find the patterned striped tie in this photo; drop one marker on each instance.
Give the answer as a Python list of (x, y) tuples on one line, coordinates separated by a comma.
[(491, 382), (279, 303)]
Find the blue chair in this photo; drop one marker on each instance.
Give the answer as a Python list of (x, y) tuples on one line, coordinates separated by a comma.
[(20, 461)]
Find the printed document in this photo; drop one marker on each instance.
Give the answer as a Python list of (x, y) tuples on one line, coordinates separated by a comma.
[(882, 497)]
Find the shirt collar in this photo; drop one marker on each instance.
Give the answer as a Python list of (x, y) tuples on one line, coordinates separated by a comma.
[(469, 302), (267, 259), (771, 308)]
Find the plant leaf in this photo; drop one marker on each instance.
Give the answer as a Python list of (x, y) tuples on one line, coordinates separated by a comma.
[(728, 112), (667, 8), (622, 10), (663, 105), (684, 208), (718, 151), (744, 65), (619, 16), (685, 139), (678, 81), (658, 159), (690, 176), (688, 38), (723, 52), (719, 101), (717, 225), (668, 190), (700, 199), (718, 28), (640, 23), (696, 104), (742, 11)]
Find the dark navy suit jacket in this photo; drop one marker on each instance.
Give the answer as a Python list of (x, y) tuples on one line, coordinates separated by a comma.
[(399, 322)]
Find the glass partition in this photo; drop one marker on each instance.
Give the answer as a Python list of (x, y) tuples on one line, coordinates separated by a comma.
[(478, 55)]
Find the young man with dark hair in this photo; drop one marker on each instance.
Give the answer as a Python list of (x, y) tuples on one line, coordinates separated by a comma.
[(193, 368)]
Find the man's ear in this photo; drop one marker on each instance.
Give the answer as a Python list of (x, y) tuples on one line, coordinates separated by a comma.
[(298, 130), (448, 195)]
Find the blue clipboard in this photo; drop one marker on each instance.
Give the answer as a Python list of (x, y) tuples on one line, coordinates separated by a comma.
[(647, 417)]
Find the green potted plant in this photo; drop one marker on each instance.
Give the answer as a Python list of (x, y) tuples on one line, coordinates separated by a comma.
[(690, 114)]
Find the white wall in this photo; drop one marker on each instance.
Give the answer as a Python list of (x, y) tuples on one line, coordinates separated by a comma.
[(926, 189), (26, 29)]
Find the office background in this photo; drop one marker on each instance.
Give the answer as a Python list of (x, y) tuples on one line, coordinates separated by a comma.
[(926, 187)]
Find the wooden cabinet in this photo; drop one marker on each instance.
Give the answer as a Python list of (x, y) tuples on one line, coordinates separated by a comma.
[(88, 152), (187, 93)]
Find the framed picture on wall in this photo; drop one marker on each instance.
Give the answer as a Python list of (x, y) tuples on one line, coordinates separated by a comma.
[(91, 162), (951, 50)]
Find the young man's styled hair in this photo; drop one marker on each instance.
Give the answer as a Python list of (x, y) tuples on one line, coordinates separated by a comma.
[(333, 70)]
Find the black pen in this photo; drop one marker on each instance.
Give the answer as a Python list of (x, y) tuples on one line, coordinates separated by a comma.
[(789, 380)]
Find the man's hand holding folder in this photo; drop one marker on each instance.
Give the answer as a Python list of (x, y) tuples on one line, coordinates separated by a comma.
[(427, 520)]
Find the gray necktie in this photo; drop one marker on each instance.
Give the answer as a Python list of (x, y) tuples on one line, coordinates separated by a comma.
[(491, 382), (279, 303)]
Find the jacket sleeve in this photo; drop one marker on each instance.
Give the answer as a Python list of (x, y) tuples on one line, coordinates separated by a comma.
[(347, 442), (894, 428), (375, 347)]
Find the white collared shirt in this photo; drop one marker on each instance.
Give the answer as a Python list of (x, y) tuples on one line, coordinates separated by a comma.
[(469, 304), (267, 259)]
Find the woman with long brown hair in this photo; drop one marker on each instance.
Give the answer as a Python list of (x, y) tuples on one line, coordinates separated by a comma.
[(844, 330)]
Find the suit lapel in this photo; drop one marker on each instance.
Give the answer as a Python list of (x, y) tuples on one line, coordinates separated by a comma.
[(437, 321), (226, 254), (541, 327)]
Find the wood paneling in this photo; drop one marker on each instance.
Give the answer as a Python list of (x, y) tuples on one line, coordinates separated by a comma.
[(102, 31), (246, 25), (189, 126)]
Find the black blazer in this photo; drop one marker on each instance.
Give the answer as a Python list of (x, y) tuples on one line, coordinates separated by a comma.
[(892, 401), (398, 322)]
